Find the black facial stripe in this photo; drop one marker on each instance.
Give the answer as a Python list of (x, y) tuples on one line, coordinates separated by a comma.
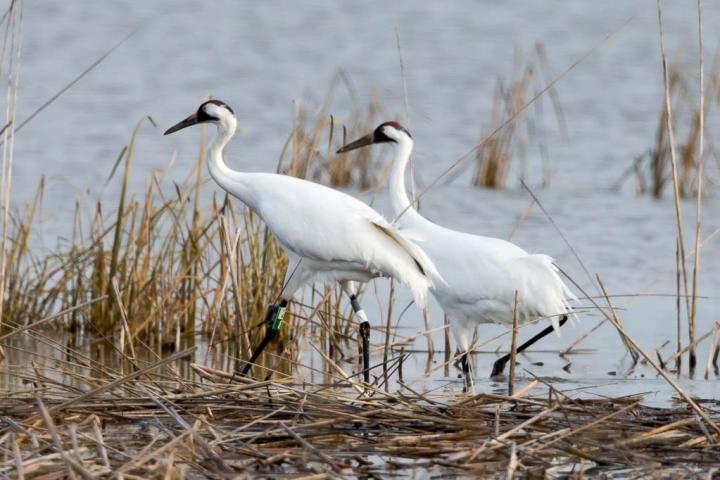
[(379, 136), (203, 115)]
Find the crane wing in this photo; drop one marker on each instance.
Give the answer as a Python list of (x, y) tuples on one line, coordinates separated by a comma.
[(423, 262), (542, 291)]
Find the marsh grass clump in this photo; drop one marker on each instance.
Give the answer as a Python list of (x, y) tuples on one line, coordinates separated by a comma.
[(152, 272), (494, 157), (316, 135), (358, 168), (653, 170)]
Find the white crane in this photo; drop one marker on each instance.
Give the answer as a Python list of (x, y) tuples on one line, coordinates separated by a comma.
[(328, 235), (481, 274)]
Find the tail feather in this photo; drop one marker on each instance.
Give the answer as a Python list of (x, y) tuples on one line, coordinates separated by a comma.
[(547, 295), (418, 284)]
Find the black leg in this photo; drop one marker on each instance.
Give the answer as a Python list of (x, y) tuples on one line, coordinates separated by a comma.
[(465, 363), (364, 336), (500, 363), (274, 319)]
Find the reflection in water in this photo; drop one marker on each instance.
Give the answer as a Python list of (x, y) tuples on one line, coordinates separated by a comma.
[(78, 363)]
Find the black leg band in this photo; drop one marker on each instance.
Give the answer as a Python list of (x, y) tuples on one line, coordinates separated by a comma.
[(355, 304)]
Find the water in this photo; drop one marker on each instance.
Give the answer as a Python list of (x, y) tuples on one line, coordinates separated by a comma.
[(259, 57)]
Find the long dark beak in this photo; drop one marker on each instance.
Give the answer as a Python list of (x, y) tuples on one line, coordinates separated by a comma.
[(189, 121), (360, 142)]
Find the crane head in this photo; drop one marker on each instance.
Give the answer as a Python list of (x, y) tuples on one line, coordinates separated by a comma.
[(211, 111), (388, 132)]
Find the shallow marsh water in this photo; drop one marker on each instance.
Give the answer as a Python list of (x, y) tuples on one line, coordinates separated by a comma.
[(260, 56)]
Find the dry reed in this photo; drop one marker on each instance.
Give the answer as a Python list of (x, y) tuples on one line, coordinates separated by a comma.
[(207, 423), (495, 155), (654, 170), (315, 127)]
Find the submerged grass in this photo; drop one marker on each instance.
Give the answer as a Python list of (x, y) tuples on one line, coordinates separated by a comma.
[(160, 423)]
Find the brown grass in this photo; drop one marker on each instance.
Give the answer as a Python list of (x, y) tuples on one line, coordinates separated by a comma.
[(207, 423), (316, 135), (496, 154), (653, 172)]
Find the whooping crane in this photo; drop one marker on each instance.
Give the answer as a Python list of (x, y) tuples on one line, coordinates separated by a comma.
[(481, 274)]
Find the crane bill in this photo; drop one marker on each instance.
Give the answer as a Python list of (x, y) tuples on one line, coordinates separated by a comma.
[(360, 142), (189, 121)]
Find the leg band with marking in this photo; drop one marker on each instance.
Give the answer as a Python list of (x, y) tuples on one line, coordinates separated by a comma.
[(279, 315)]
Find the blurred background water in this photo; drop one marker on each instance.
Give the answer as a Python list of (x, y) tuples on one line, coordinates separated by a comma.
[(260, 56)]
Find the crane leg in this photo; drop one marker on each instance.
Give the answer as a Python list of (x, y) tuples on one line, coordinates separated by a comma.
[(274, 318), (467, 373), (500, 363), (364, 336)]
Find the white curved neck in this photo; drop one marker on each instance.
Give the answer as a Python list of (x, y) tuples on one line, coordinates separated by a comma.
[(216, 164), (230, 180), (398, 195)]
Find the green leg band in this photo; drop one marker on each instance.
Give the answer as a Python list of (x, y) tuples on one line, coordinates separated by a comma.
[(278, 318)]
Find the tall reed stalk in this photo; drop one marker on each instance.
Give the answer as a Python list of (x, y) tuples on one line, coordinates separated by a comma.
[(698, 188), (675, 181), (10, 69)]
